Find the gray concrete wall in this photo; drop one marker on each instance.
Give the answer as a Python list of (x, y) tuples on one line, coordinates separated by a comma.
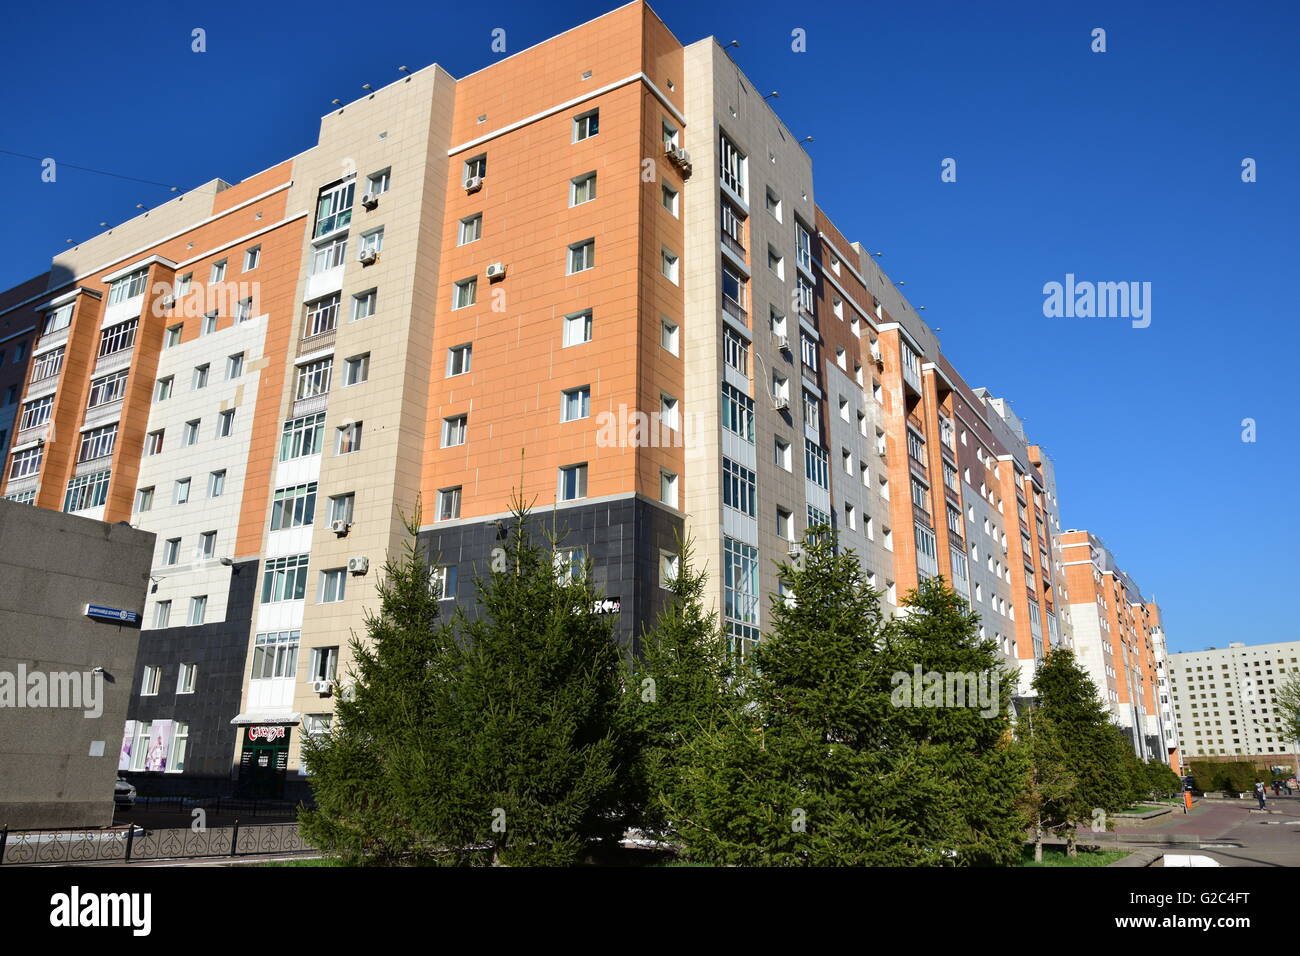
[(58, 764)]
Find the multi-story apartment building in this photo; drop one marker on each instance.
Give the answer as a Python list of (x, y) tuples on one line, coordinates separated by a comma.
[(591, 276), (18, 332), (1225, 700), (1120, 640)]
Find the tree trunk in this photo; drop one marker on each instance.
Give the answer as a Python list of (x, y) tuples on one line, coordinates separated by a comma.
[(1038, 840), (1071, 846)]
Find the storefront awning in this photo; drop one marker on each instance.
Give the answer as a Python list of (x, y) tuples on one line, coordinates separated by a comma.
[(272, 720)]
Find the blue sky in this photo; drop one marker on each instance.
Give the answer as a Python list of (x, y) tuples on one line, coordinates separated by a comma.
[(1115, 166)]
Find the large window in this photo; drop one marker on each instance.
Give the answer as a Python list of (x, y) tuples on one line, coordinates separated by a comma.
[(740, 595), (314, 378), (737, 412), (322, 315), (118, 338), (293, 507), (803, 246), (960, 575), (107, 389), (58, 319), (733, 166), (48, 364), (127, 287), (735, 351), (275, 654), (302, 437), (739, 488), (86, 491), (334, 207), (816, 464), (97, 443), (36, 413), (927, 553), (26, 462), (329, 255), (733, 294), (284, 579)]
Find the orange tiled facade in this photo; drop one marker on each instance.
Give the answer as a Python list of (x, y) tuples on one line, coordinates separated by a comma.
[(592, 276)]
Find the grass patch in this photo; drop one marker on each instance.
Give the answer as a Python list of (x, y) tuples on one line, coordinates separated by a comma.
[(1056, 856), (318, 861)]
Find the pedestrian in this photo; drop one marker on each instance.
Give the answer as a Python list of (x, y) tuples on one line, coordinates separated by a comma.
[(1277, 789), (1259, 793)]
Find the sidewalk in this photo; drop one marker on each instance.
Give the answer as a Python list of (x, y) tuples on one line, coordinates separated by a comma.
[(1264, 839)]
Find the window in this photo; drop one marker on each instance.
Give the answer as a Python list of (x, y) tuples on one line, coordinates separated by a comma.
[(740, 595), (733, 166), (314, 378), (669, 135), (86, 491), (669, 198), (182, 491), (162, 613), (275, 654), (322, 315), (302, 437), (575, 404), (324, 663), (733, 229), (465, 294), (448, 503), (668, 265), (191, 434), (334, 207), (144, 499), (58, 320), (171, 551), (804, 295), (582, 189), (850, 517), (356, 370), (458, 359), (582, 256), (284, 579), (379, 183), (808, 350), (218, 273), (172, 338), (776, 263), (184, 284), (577, 328), (200, 379), (816, 464), (372, 241), (668, 335), (783, 456), (348, 438), (363, 304), (803, 246), (198, 609), (216, 483), (668, 488), (586, 125), (739, 488), (733, 294), (180, 744), (97, 443), (570, 564), (735, 351), (920, 496), (333, 585), (293, 506), (811, 410), (127, 287), (476, 166), (773, 204), (48, 364), (153, 442), (26, 462), (150, 680), (737, 412), (927, 555), (118, 338), (784, 524), (252, 258), (234, 366), (668, 412), (244, 310), (226, 423), (669, 565), (453, 430), (471, 229), (36, 413), (573, 482), (341, 507)]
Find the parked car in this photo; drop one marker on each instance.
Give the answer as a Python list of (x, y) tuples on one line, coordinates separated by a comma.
[(124, 794)]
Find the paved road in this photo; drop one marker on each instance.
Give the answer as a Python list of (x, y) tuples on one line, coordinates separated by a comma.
[(1271, 838)]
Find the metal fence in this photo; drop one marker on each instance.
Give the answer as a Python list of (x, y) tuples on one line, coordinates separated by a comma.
[(215, 805), (136, 844)]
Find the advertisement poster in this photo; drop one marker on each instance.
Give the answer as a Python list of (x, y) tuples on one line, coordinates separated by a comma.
[(160, 745), (128, 737)]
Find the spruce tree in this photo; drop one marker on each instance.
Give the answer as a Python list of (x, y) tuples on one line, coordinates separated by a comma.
[(1045, 801), (677, 687)]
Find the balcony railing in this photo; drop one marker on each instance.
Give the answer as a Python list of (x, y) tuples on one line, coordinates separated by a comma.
[(735, 309), (734, 244)]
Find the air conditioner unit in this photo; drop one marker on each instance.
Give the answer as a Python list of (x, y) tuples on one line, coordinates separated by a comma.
[(322, 686), (780, 403), (793, 552), (370, 200), (358, 564), (677, 156), (168, 301), (473, 184), (340, 527), (368, 257), (496, 270), (782, 342)]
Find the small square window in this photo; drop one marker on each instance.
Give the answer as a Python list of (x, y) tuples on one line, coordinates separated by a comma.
[(668, 265), (577, 328), (443, 579), (182, 491), (471, 229), (378, 183), (144, 499), (209, 324), (363, 304), (572, 483), (586, 125), (348, 438), (173, 336), (466, 293), (669, 566), (226, 423), (333, 585), (448, 503), (252, 258), (200, 378), (453, 430), (164, 389), (341, 507), (234, 366), (190, 436), (668, 335), (356, 370), (459, 359), (171, 551), (668, 488), (216, 483), (207, 545), (669, 197), (582, 256), (582, 189), (218, 273), (576, 404)]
